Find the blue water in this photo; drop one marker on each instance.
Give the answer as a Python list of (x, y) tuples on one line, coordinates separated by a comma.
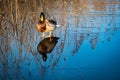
[(88, 49), (87, 63), (102, 63)]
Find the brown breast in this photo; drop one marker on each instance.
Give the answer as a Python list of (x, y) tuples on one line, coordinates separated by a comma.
[(41, 27)]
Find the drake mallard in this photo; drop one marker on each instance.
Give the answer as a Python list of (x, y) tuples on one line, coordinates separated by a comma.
[(46, 25), (46, 46)]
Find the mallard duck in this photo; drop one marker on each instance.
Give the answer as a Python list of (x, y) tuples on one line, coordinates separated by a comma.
[(46, 25), (46, 46)]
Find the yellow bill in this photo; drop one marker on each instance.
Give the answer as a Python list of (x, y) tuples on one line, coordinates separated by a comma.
[(41, 18)]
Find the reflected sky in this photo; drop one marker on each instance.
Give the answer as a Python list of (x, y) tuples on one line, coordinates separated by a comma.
[(88, 48)]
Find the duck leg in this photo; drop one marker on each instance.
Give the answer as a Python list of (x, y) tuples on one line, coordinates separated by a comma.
[(50, 35), (43, 35)]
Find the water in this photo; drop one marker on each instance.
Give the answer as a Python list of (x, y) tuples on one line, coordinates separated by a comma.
[(88, 48)]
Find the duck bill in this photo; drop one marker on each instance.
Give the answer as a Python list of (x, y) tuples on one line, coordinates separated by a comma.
[(41, 18)]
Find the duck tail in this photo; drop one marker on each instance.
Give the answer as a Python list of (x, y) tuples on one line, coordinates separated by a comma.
[(57, 25)]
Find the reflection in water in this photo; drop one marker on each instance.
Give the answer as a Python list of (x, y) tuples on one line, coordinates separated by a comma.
[(46, 46), (82, 21)]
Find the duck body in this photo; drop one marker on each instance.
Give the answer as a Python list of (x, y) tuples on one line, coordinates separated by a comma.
[(45, 25)]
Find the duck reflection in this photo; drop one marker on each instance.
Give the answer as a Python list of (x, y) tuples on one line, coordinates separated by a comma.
[(46, 46)]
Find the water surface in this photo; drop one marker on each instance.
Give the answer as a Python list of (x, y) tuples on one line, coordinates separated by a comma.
[(88, 48)]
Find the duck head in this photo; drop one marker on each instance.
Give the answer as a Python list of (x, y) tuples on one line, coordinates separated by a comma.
[(42, 17), (44, 57)]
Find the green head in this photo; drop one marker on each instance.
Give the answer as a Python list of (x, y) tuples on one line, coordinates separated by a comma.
[(42, 17)]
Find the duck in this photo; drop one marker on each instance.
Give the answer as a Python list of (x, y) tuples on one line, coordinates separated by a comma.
[(46, 25), (46, 46)]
